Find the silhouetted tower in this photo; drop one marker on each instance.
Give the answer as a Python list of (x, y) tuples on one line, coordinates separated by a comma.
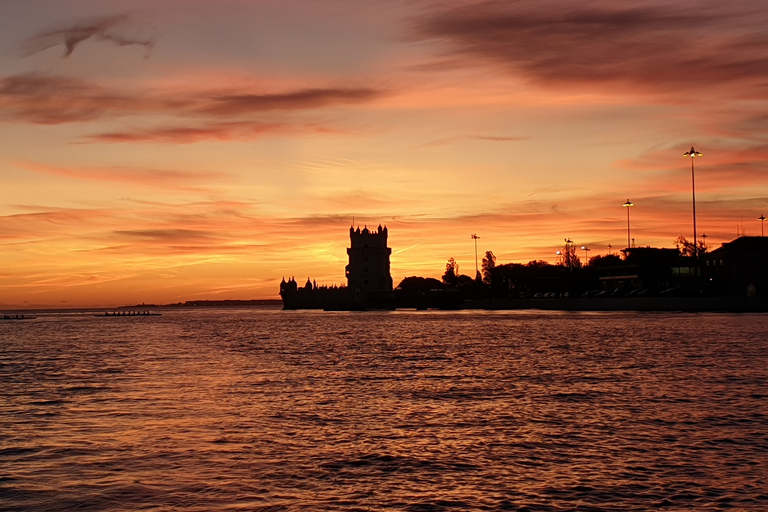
[(368, 269)]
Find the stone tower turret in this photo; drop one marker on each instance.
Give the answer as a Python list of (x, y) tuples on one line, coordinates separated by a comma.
[(368, 270)]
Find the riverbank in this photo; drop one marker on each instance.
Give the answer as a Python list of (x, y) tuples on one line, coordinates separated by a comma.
[(686, 304)]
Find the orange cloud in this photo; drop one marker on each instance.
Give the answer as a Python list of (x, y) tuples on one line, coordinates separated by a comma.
[(159, 178), (488, 138), (721, 169), (150, 251), (211, 132)]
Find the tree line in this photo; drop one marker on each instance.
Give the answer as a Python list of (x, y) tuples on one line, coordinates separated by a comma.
[(515, 280)]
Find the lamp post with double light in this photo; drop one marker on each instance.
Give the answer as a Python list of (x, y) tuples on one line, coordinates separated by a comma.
[(628, 205), (693, 154), (477, 271), (585, 249), (761, 218)]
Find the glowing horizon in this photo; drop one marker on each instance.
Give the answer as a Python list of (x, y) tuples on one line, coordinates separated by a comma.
[(204, 150)]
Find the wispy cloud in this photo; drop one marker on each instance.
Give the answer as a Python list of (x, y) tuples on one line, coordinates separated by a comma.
[(208, 115), (114, 29), (159, 178), (650, 48), (487, 138), (152, 247), (208, 132), (237, 104), (168, 237), (722, 169), (348, 200), (49, 99)]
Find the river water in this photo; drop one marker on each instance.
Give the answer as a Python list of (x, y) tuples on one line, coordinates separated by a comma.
[(263, 409)]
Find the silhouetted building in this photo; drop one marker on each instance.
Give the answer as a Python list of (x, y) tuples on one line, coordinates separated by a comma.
[(368, 273), (644, 268), (369, 282), (738, 268)]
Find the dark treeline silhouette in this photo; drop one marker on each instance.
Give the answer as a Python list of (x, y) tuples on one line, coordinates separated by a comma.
[(736, 269), (510, 280), (636, 271)]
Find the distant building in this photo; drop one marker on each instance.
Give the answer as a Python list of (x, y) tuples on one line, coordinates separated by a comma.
[(644, 268), (369, 281), (738, 268), (368, 272)]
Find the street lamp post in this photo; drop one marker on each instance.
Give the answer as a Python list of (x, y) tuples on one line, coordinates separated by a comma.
[(609, 249), (477, 271), (761, 218), (693, 154), (585, 249), (627, 205), (569, 253)]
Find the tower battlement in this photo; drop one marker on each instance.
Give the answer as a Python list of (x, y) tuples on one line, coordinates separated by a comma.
[(369, 282), (364, 237), (368, 270)]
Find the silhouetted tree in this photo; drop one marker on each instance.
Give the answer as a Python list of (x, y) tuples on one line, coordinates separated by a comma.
[(423, 292), (608, 260), (451, 276), (489, 262), (568, 257), (509, 280), (687, 248), (415, 284)]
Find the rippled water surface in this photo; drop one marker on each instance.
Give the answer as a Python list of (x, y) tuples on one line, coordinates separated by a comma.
[(260, 409)]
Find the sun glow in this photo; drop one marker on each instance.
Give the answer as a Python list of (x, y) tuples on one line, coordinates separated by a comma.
[(142, 163)]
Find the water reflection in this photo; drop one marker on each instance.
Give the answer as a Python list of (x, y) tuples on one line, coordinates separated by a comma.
[(273, 410)]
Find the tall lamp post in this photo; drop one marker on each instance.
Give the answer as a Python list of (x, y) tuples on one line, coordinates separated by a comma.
[(693, 154), (761, 218), (477, 271), (585, 249), (627, 205)]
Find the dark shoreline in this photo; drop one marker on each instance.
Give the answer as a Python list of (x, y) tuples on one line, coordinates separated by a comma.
[(684, 304), (640, 304)]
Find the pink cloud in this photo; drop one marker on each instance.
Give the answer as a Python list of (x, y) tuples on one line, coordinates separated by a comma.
[(243, 103), (657, 48), (208, 116), (45, 99)]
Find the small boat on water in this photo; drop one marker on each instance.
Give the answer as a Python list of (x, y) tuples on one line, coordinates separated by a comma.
[(127, 313), (19, 317)]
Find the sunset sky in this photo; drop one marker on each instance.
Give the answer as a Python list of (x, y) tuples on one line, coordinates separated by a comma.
[(163, 151)]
